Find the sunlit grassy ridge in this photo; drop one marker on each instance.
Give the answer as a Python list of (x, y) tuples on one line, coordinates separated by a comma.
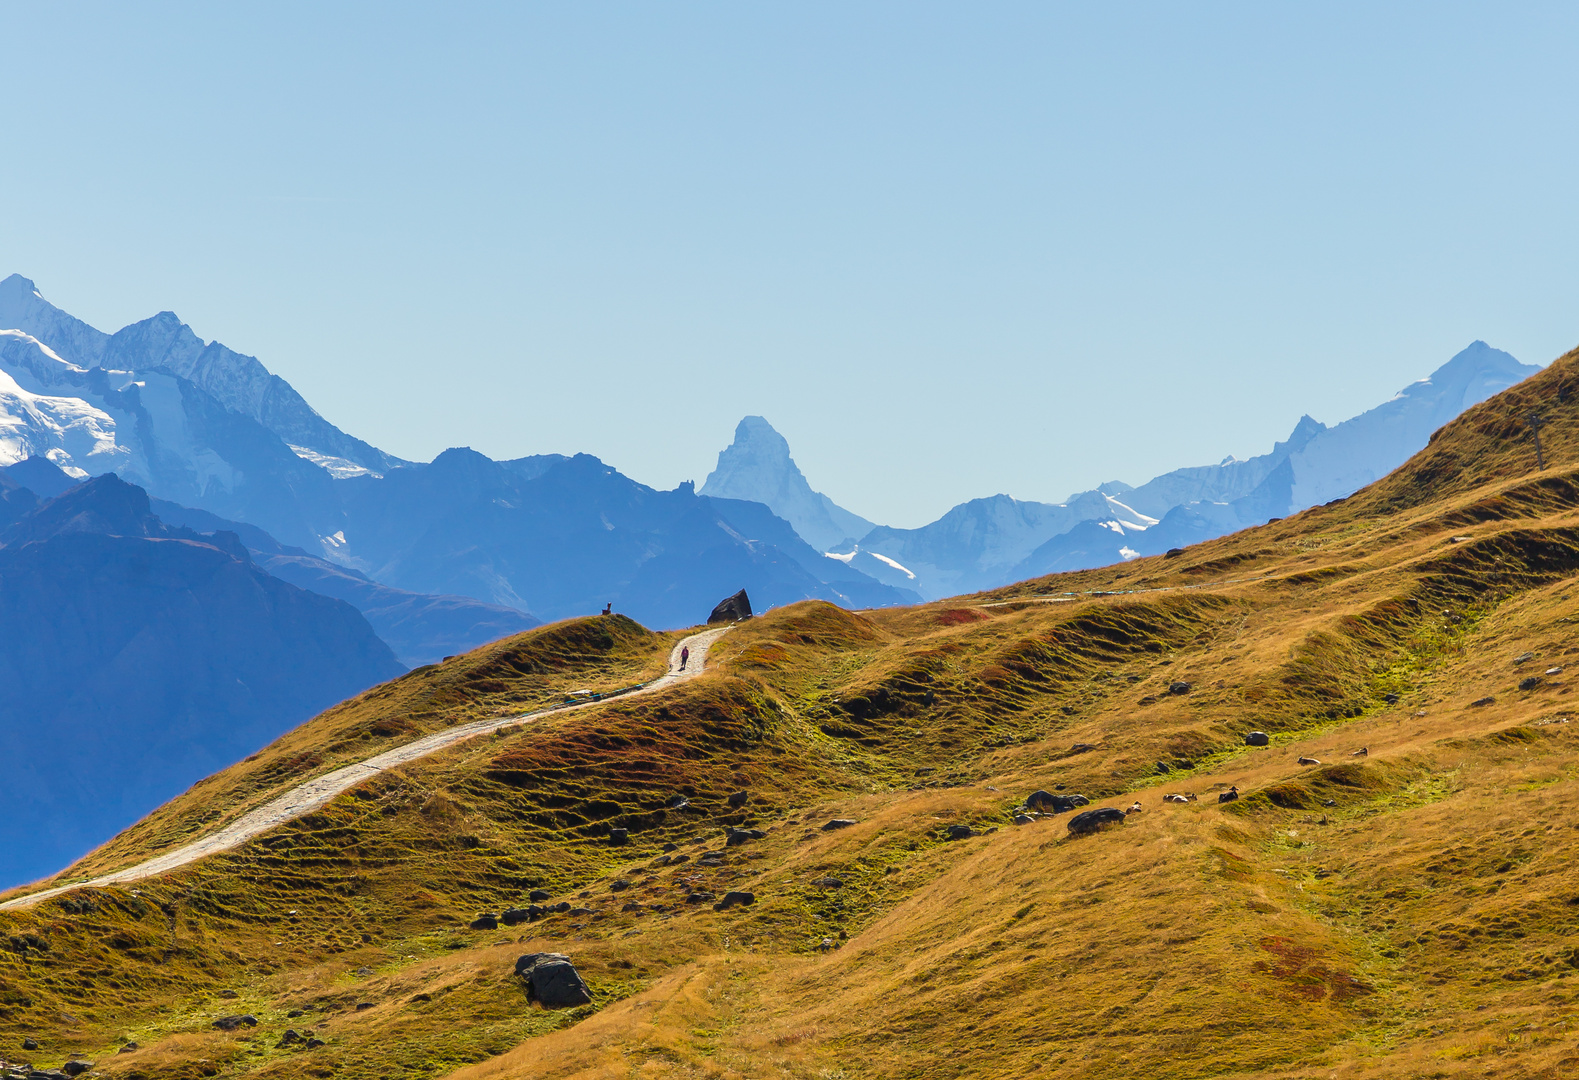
[(1407, 911)]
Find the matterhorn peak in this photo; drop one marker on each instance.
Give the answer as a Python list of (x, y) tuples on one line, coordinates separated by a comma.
[(757, 467)]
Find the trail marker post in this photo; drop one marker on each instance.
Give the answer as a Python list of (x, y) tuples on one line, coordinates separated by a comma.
[(1536, 422)]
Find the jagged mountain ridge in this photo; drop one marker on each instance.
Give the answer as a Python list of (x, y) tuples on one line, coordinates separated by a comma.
[(166, 345), (988, 543)]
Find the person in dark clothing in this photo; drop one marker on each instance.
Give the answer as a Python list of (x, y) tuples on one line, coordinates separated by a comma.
[(685, 654)]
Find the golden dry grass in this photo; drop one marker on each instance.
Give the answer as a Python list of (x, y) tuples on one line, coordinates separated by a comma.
[(1407, 912)]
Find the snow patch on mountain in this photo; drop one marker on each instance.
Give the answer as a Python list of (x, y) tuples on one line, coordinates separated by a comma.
[(338, 467)]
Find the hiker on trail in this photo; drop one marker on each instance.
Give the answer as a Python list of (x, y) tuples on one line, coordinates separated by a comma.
[(685, 654)]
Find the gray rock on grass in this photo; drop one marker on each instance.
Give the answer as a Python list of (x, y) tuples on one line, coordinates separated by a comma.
[(552, 980)]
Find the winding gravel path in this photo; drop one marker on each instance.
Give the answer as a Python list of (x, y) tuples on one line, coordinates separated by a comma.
[(307, 797)]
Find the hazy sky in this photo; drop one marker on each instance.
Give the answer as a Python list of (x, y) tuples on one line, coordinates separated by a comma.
[(948, 250)]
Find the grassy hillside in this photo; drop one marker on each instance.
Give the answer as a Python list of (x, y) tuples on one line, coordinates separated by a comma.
[(1406, 911)]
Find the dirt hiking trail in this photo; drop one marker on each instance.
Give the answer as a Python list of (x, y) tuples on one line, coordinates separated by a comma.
[(309, 796)]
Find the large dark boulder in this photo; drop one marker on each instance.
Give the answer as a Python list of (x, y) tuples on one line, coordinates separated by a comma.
[(1257, 738), (1091, 821), (1047, 802), (734, 609), (552, 980)]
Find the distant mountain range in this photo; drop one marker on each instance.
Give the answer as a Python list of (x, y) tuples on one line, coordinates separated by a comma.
[(139, 657), (990, 542), (201, 426)]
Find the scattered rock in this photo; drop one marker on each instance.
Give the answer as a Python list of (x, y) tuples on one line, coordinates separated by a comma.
[(960, 832), (619, 886), (1530, 683), (128, 1048), (1090, 821), (619, 837), (1164, 767), (30, 1044), (731, 899), (1391, 699), (633, 906), (738, 799), (362, 972), (700, 898), (1482, 701), (229, 995), (1023, 819), (290, 1038), (671, 847), (1179, 687), (363, 1006), (829, 882), (1173, 553), (537, 895), (662, 860), (680, 858), (231, 1023), (734, 836), (485, 922), (712, 858), (1258, 738), (582, 911), (552, 980), (515, 916), (679, 802), (1524, 658), (314, 1043), (1082, 748), (293, 1014), (76, 1068), (732, 609), (838, 823), (1554, 671)]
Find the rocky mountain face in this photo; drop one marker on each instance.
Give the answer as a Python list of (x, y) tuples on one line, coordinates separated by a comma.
[(141, 657), (165, 345), (757, 467)]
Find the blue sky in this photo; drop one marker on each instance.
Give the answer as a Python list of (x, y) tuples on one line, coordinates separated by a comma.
[(948, 250)]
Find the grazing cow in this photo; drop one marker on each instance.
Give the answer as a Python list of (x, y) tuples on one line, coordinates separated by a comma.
[(1135, 809), (1308, 761), (825, 944), (1175, 798), (1229, 796)]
